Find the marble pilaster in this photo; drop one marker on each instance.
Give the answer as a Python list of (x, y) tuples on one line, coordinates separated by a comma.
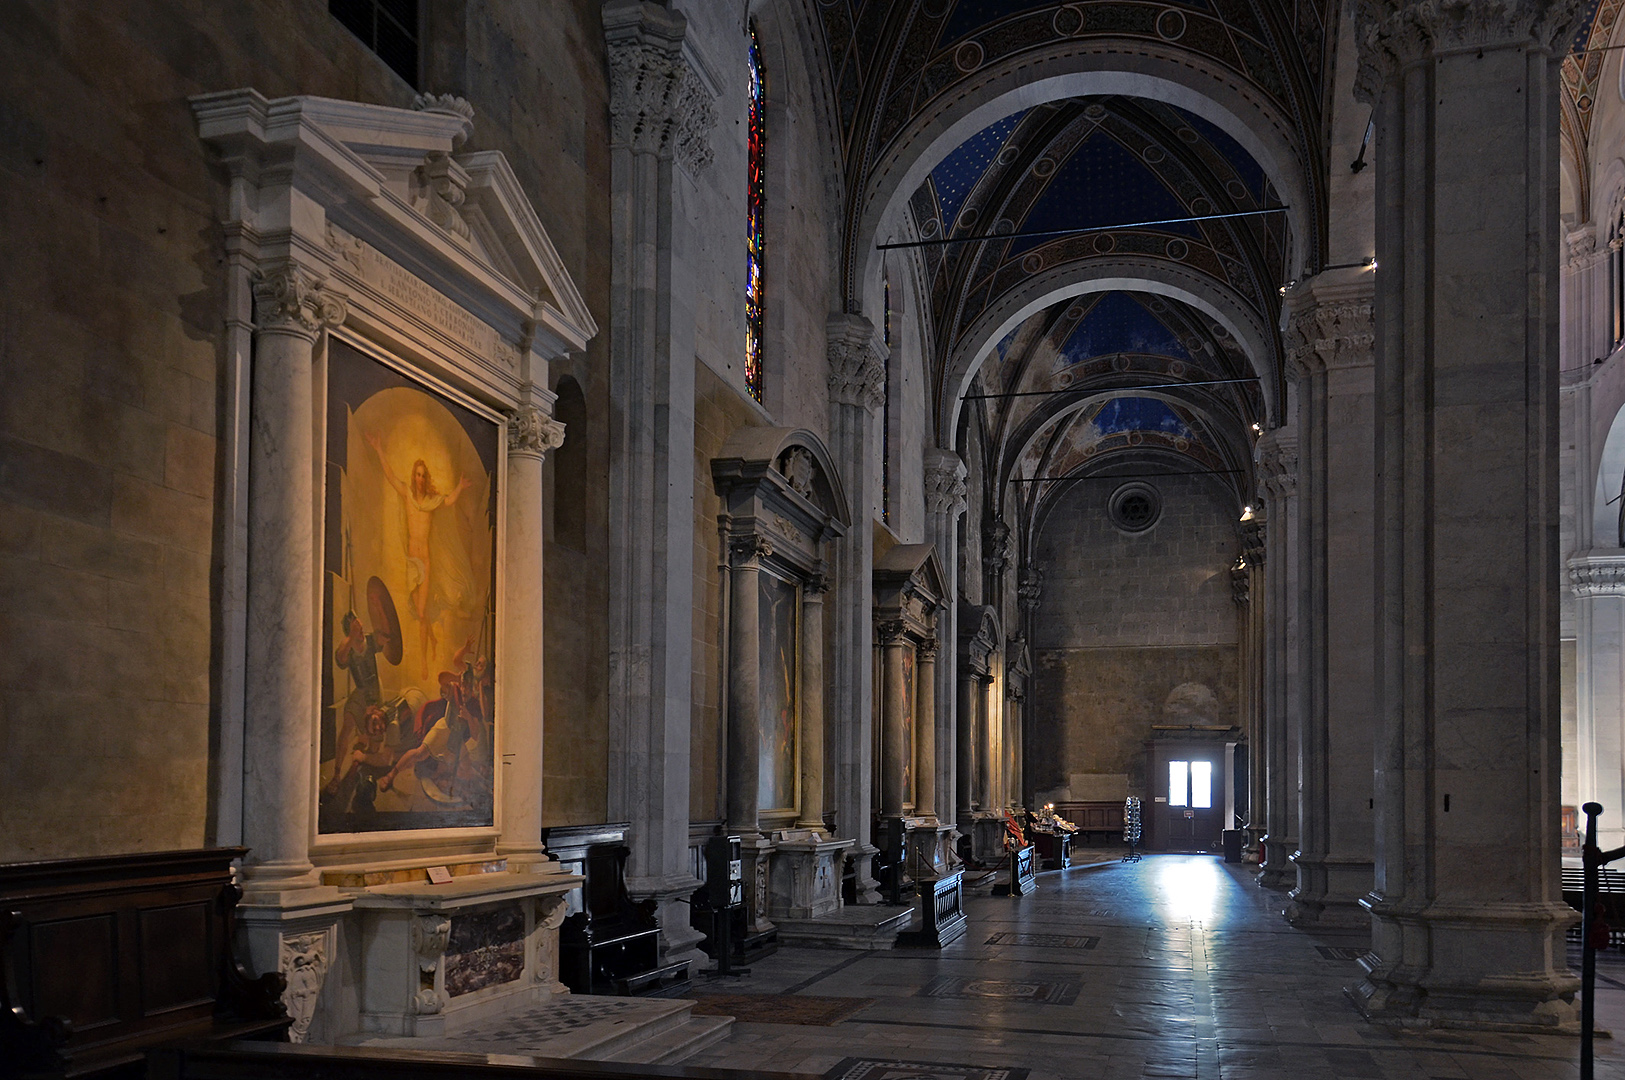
[(1467, 917), (1596, 579), (894, 645), (744, 684), (925, 729)]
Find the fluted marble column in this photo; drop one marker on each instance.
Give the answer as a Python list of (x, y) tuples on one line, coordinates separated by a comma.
[(1277, 453), (856, 380), (944, 503), (1330, 346), (1467, 917), (290, 309), (531, 434), (925, 730), (661, 114), (989, 777), (810, 728)]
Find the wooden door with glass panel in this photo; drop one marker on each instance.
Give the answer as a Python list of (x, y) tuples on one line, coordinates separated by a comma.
[(1189, 797)]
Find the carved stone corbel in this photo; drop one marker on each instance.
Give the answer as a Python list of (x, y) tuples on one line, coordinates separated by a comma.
[(430, 935), (304, 960)]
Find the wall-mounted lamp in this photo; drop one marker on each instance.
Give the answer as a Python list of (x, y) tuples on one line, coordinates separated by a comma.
[(1257, 428), (1371, 263), (1247, 513), (1241, 562)]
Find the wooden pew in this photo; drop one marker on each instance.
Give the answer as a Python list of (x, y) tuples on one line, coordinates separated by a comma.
[(104, 958), (1103, 818)]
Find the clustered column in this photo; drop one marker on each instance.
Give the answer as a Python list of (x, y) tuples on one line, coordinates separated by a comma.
[(660, 118), (1278, 468), (944, 503), (1467, 917), (856, 380)]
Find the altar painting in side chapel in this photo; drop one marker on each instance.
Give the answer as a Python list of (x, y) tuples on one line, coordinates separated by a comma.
[(777, 615), (409, 618)]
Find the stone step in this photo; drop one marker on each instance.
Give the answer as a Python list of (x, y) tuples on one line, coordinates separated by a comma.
[(673, 1045), (856, 926)]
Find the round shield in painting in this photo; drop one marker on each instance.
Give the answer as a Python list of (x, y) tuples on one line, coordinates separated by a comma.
[(386, 623)]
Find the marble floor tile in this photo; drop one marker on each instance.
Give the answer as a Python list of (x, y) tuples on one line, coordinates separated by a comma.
[(1176, 966)]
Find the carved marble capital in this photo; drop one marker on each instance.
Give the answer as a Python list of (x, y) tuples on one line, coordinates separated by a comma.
[(1582, 247), (291, 299), (1393, 34), (892, 632), (747, 552), (1277, 460), (857, 375), (657, 102), (944, 483), (1330, 335), (532, 433), (1597, 575), (926, 651), (814, 588)]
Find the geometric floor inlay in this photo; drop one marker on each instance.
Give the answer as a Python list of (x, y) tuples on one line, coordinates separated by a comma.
[(1340, 952), (779, 1008), (887, 1069), (1057, 992), (1044, 941)]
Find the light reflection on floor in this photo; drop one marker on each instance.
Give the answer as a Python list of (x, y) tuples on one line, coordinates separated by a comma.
[(1187, 888)]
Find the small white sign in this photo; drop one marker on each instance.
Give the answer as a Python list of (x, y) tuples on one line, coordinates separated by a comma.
[(439, 875)]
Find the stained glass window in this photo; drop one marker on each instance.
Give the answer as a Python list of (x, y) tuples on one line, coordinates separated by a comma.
[(755, 232)]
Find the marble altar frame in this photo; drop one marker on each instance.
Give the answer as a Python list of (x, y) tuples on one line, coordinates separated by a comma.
[(370, 223), (782, 504)]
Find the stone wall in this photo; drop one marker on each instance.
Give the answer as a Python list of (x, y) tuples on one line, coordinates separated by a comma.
[(113, 353), (1130, 629)]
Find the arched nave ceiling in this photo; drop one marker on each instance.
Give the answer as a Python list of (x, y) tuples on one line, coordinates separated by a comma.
[(1582, 78), (1116, 376), (973, 118)]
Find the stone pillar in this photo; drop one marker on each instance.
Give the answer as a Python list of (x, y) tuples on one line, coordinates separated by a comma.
[(1597, 580), (1252, 552), (531, 434), (660, 117), (1330, 341), (1278, 472), (856, 388), (1014, 699), (944, 503), (290, 309), (894, 706), (744, 684), (965, 736), (925, 729), (1467, 916), (810, 727)]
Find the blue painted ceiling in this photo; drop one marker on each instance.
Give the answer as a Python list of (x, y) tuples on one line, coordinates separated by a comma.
[(1101, 184), (957, 173), (1120, 322), (1120, 414)]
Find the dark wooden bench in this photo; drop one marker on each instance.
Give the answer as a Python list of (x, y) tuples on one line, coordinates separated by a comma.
[(106, 958), (1104, 818)]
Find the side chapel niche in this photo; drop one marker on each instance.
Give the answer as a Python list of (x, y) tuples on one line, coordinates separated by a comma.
[(781, 505), (908, 592)]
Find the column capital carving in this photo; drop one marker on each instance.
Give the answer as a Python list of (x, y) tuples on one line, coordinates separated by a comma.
[(657, 102), (1252, 541), (1277, 459), (926, 651), (291, 299), (1593, 574), (532, 432), (1240, 585), (944, 483), (1328, 335), (857, 376), (814, 588), (1582, 247), (747, 550), (892, 632), (1393, 34)]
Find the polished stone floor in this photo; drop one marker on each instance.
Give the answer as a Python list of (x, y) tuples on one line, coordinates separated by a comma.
[(1176, 966)]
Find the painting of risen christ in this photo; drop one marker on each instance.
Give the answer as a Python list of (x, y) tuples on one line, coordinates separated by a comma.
[(408, 721)]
